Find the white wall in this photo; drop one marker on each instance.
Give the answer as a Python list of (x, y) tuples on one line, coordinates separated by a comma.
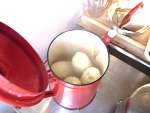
[(39, 21)]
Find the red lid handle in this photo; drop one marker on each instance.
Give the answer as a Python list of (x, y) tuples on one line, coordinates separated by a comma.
[(127, 18)]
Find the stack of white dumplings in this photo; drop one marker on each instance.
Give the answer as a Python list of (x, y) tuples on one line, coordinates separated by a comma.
[(77, 71)]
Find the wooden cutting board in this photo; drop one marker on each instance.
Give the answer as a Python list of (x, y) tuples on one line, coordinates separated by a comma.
[(134, 45)]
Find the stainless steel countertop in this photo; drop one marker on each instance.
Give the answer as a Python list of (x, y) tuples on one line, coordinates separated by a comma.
[(117, 84)]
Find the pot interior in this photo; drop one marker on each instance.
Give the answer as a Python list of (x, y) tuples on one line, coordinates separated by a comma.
[(65, 45)]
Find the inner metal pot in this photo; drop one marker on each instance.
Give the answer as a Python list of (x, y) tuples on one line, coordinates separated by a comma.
[(63, 48)]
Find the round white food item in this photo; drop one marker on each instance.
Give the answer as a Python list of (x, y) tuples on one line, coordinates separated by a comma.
[(80, 62), (90, 75), (73, 80), (62, 69)]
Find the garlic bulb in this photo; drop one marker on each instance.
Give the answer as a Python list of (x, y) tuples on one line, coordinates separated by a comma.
[(73, 80), (90, 75), (80, 62), (62, 69)]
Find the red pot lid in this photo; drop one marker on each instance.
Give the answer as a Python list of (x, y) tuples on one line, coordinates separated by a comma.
[(23, 77)]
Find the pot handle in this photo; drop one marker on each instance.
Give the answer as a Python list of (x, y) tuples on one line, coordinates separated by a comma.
[(107, 37), (54, 85)]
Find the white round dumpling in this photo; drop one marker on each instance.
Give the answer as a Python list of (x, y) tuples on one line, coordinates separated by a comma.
[(80, 62), (62, 69), (90, 75), (73, 80)]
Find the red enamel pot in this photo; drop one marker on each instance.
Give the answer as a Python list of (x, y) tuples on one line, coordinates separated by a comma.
[(24, 78)]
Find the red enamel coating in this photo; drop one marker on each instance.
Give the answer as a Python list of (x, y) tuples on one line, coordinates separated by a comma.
[(106, 38), (23, 77), (75, 97)]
